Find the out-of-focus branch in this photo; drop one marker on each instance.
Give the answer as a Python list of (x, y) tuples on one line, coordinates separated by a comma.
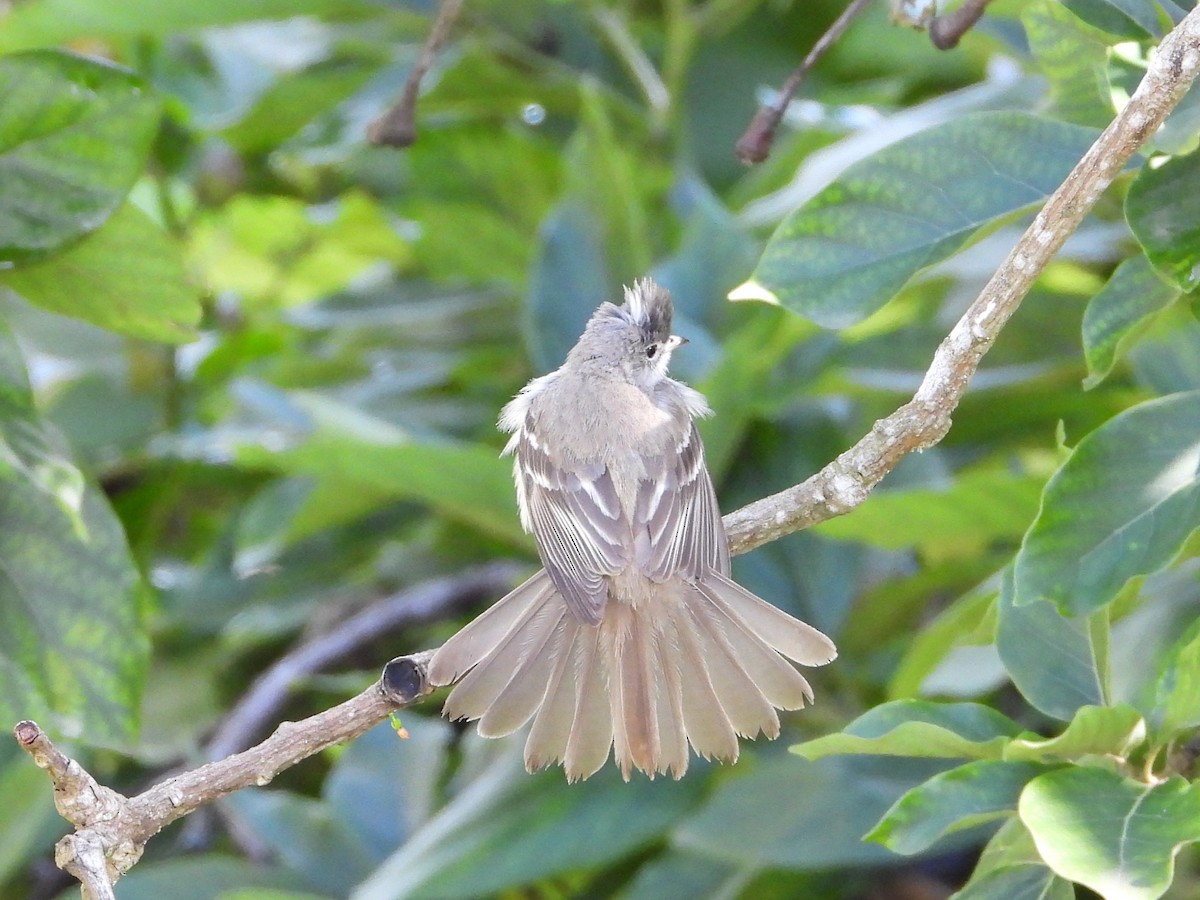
[(111, 830), (946, 31), (397, 127), (925, 419), (755, 143)]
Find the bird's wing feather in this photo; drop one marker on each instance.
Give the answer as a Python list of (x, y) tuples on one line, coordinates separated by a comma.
[(677, 524), (575, 514)]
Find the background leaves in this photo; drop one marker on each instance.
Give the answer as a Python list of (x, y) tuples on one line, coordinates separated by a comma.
[(250, 369)]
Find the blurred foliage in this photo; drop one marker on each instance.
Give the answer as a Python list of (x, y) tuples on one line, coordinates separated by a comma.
[(250, 366)]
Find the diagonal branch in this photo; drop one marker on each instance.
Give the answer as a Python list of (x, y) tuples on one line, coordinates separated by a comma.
[(111, 830)]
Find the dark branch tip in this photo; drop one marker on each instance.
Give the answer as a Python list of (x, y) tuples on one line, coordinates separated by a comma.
[(404, 680)]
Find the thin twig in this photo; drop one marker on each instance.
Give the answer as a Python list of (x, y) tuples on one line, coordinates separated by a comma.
[(755, 144), (397, 127), (946, 31)]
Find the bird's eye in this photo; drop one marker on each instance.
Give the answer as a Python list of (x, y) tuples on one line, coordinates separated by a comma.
[(651, 350)]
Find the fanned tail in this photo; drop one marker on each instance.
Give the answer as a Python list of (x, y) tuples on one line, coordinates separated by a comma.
[(689, 664)]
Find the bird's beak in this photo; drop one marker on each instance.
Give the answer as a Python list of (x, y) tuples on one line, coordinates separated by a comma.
[(675, 341)]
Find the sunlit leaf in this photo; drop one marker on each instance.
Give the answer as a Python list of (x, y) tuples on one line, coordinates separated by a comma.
[(919, 728), (1116, 836), (74, 135), (127, 277), (853, 247), (1122, 505), (42, 22), (1095, 730), (960, 798), (72, 645), (1073, 56)]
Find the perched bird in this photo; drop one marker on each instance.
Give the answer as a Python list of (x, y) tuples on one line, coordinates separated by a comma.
[(633, 635)]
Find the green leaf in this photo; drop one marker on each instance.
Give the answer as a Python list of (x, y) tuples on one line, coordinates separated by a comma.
[(919, 728), (1116, 836), (1122, 505), (1120, 312), (74, 136), (748, 823), (1095, 730), (507, 829), (1057, 663), (1125, 18), (72, 643), (857, 243), (204, 877), (127, 277), (977, 507), (44, 22), (1179, 685), (970, 620), (1163, 210), (1074, 57), (1011, 869), (951, 801), (1024, 882)]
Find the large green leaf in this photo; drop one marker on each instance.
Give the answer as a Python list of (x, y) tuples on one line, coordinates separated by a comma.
[(794, 814), (966, 796), (74, 135), (1073, 56), (1163, 209), (42, 22), (1057, 663), (507, 829), (127, 277), (1122, 505), (970, 620), (1120, 312), (1116, 836), (919, 728), (72, 643), (858, 242), (1095, 731)]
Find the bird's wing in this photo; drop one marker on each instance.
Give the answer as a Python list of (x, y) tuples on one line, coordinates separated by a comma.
[(677, 525), (575, 514)]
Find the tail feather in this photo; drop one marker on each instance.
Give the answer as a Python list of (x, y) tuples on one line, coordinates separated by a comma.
[(631, 686), (482, 686), (794, 639), (688, 663), (519, 699), (748, 710), (708, 728), (470, 645), (779, 681), (592, 729), (672, 728), (547, 742)]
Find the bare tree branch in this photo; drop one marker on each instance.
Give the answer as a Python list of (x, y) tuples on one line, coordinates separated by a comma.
[(946, 31), (397, 127), (754, 145), (112, 830)]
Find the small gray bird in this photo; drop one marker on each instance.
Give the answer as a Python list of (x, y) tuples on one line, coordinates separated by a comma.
[(632, 636)]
